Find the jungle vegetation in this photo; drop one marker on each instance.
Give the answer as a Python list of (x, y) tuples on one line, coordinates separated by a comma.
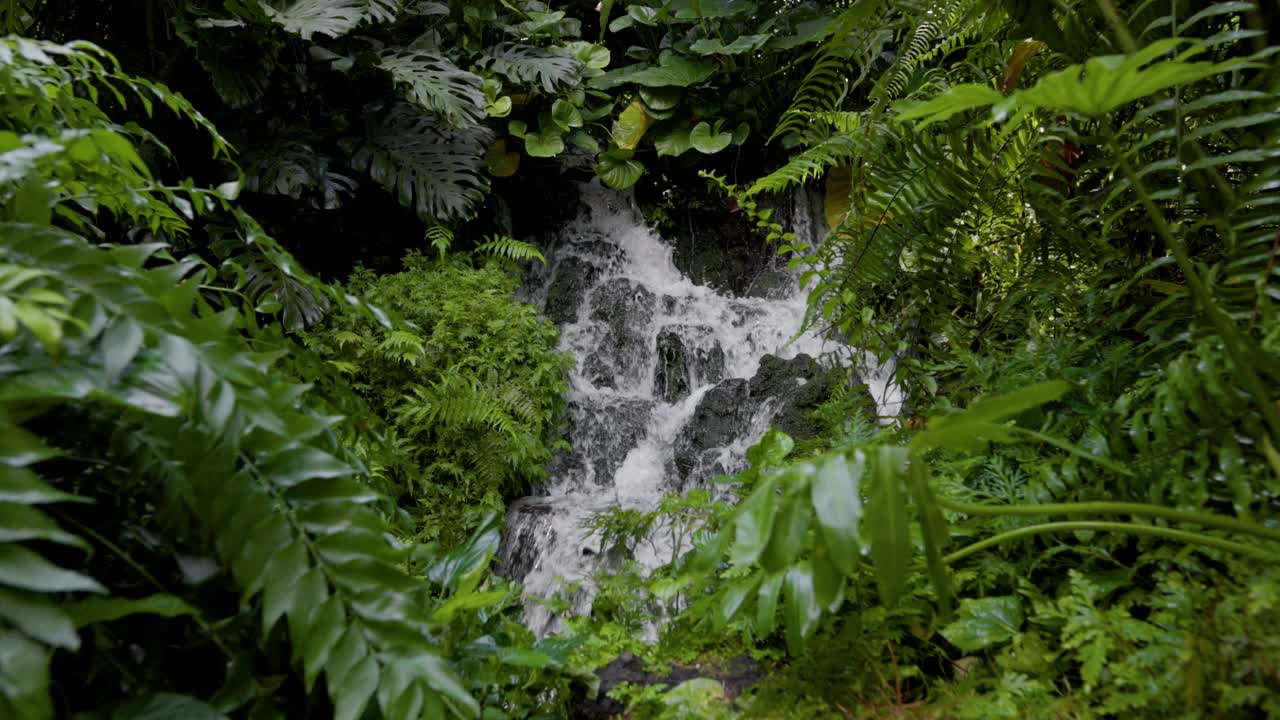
[(266, 385)]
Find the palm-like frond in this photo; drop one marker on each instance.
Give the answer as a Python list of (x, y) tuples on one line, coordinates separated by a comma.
[(439, 173)]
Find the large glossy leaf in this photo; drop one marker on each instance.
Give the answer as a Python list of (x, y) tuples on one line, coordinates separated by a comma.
[(306, 18), (672, 70), (753, 525), (741, 44), (837, 504), (983, 622), (528, 65), (968, 430), (802, 610), (434, 83), (460, 570), (767, 604), (618, 170), (790, 532), (706, 140), (631, 125), (671, 139), (438, 173), (886, 521)]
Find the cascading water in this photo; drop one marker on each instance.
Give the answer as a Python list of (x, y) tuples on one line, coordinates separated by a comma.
[(660, 398)]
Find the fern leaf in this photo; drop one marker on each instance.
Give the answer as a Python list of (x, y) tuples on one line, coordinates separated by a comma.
[(808, 165), (437, 173), (511, 248), (436, 84)]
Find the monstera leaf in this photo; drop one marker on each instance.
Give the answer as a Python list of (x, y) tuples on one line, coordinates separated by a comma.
[(437, 172), (741, 44), (527, 65), (305, 18), (438, 85)]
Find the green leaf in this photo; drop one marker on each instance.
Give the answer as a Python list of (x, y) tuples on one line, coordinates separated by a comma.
[(566, 114), (39, 619), (697, 9), (584, 141), (294, 465), (1103, 84), (790, 530), (166, 706), (933, 528), (547, 142), (22, 522), (732, 598), (983, 622), (22, 568), (354, 689), (630, 126), (499, 108), (672, 70), (32, 203), (955, 100), (967, 430), (671, 139), (468, 561), (305, 18), (19, 485), (886, 521), (707, 141), (105, 609), (753, 524), (618, 171), (741, 44), (434, 83), (767, 604), (828, 581), (662, 98), (120, 344), (802, 610), (467, 601), (837, 503)]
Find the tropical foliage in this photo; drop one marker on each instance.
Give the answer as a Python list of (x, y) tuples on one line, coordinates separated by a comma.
[(1059, 222)]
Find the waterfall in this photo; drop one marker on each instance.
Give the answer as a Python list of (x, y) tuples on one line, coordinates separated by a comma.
[(665, 394)]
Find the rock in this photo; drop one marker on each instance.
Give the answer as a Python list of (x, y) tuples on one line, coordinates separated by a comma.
[(607, 433), (671, 374), (722, 415), (798, 386), (735, 675), (772, 284), (569, 285), (774, 377), (626, 309)]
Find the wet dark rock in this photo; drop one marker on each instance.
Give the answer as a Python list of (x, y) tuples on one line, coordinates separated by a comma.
[(685, 360), (772, 283), (625, 309), (607, 433), (735, 674), (671, 375), (722, 415), (569, 285), (798, 386)]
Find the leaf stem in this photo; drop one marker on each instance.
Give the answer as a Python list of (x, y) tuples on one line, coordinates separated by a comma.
[(1209, 520), (1100, 526)]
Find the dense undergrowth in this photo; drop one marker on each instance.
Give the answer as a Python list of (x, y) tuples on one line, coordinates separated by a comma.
[(233, 489)]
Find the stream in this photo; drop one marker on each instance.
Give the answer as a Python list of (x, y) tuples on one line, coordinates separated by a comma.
[(673, 382)]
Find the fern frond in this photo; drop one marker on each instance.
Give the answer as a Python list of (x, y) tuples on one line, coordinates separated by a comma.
[(511, 249), (528, 65), (439, 237), (810, 164)]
